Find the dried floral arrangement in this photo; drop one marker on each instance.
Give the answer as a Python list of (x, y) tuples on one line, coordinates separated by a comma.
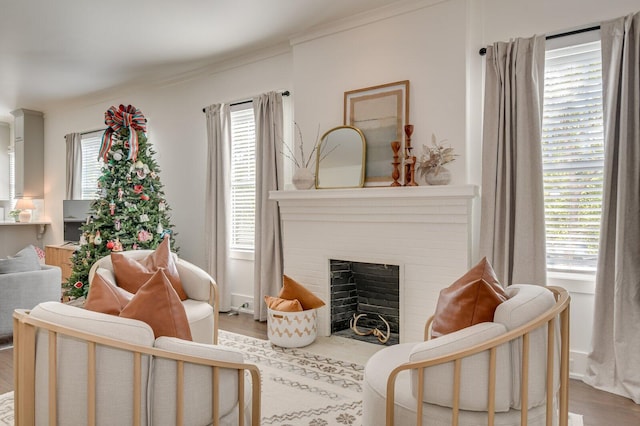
[(305, 161), (433, 158)]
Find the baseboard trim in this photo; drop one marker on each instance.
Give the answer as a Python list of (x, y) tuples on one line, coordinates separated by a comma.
[(242, 303), (577, 364)]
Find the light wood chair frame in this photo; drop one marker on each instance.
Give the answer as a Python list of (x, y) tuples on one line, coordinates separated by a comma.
[(24, 358), (559, 310)]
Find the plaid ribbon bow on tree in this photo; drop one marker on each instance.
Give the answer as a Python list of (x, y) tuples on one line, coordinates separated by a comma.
[(130, 117)]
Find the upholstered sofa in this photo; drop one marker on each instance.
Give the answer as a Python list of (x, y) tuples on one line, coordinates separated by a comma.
[(512, 371), (24, 290), (202, 304), (76, 367)]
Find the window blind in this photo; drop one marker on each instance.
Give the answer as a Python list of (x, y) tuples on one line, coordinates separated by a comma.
[(243, 178), (573, 156), (91, 167)]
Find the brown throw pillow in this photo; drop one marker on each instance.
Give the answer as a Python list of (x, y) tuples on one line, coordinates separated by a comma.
[(157, 304), (470, 300), (131, 274), (293, 290), (105, 297), (283, 305)]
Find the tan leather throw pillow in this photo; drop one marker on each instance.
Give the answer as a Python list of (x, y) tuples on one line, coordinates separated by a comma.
[(283, 305), (105, 297), (293, 290), (157, 304), (131, 274), (472, 299)]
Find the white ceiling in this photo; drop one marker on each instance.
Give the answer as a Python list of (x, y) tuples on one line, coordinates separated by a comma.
[(57, 50)]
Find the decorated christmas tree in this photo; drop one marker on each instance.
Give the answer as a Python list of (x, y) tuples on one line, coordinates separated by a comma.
[(130, 212)]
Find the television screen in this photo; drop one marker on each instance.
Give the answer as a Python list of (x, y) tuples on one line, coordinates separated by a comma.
[(75, 213), (72, 231), (77, 210)]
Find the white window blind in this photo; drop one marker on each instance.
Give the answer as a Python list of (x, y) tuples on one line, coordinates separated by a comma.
[(573, 156), (243, 177), (91, 167)]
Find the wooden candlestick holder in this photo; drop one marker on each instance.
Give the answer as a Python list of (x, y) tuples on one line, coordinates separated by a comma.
[(412, 172), (395, 146), (408, 131)]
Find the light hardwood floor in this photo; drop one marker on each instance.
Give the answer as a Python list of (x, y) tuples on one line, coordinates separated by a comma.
[(598, 408)]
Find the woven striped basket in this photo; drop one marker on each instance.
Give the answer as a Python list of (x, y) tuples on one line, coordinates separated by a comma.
[(292, 329)]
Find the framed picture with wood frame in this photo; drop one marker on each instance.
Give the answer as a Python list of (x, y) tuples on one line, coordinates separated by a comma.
[(380, 112)]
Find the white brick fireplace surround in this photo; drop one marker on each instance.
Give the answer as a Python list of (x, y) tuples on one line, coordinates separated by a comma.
[(425, 230)]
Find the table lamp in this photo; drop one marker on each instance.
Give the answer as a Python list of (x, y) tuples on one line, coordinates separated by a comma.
[(25, 206)]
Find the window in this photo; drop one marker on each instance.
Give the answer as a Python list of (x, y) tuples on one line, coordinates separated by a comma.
[(573, 156), (91, 167), (243, 178)]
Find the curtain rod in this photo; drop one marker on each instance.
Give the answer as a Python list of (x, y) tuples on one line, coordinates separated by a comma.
[(285, 93), (86, 132), (483, 51)]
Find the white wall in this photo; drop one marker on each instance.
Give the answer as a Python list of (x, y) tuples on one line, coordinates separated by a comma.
[(425, 46), (505, 19), (433, 44)]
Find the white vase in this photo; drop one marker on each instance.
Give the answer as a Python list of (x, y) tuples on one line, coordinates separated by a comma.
[(303, 178), (443, 177)]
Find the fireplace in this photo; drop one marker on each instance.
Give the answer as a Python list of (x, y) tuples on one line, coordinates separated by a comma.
[(425, 232), (368, 292)]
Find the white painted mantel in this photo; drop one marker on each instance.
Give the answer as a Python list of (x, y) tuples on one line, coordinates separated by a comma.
[(426, 230)]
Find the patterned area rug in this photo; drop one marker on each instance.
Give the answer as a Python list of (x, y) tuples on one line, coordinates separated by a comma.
[(300, 387), (6, 409)]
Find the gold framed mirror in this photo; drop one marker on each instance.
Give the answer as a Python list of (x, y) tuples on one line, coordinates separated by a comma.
[(341, 157)]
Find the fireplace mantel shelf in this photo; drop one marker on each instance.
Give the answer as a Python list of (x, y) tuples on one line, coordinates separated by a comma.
[(441, 191)]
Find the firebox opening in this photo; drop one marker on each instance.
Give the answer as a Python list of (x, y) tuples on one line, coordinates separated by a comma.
[(371, 289)]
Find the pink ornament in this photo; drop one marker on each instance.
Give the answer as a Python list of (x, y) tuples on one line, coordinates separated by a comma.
[(144, 197), (120, 194), (144, 236), (110, 245), (112, 208), (138, 189)]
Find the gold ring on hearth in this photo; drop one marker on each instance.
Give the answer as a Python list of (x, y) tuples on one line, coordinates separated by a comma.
[(381, 336)]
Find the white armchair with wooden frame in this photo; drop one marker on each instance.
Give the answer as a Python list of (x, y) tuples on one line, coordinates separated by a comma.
[(74, 366), (202, 305), (512, 371)]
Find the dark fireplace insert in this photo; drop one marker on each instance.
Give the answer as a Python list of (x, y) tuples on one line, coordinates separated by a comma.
[(363, 294)]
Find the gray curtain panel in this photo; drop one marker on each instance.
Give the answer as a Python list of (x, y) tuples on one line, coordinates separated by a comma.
[(74, 166), (217, 198), (614, 363), (512, 233), (268, 245)]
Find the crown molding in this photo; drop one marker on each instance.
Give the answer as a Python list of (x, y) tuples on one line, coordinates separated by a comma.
[(207, 69), (229, 63), (361, 19)]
